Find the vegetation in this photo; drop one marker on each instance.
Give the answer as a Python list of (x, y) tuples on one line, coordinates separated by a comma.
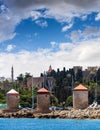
[(2, 96), (64, 82)]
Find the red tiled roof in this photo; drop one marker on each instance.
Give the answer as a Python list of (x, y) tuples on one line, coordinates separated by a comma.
[(80, 87), (43, 90)]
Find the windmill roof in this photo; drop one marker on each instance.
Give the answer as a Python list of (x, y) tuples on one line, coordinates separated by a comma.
[(12, 91), (80, 87), (43, 90)]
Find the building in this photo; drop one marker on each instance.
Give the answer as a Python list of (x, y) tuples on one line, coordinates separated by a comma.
[(93, 68), (39, 82), (43, 100), (76, 68), (36, 81), (80, 97), (2, 79), (12, 100), (6, 86), (49, 70)]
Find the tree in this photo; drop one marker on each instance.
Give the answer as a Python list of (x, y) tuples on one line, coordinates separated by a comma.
[(69, 101), (20, 79), (26, 97), (27, 75), (2, 96), (93, 76), (53, 100), (98, 76), (79, 76)]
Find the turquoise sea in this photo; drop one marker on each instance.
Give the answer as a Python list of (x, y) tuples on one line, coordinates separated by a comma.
[(48, 124)]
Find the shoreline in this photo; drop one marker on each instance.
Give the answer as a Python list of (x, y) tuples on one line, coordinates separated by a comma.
[(63, 114)]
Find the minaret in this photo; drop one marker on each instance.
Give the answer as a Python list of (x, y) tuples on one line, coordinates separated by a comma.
[(12, 74)]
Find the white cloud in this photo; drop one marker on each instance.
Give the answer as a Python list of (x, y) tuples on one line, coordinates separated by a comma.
[(88, 33), (91, 31), (75, 35), (97, 17), (68, 55), (66, 46), (35, 15), (8, 23), (23, 4), (10, 47), (84, 17), (84, 53), (41, 23), (61, 10), (88, 52), (53, 44), (2, 8), (65, 28)]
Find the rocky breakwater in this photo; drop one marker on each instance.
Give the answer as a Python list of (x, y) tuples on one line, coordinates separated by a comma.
[(68, 114)]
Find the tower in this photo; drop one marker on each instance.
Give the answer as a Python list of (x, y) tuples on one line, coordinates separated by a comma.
[(43, 100), (50, 69), (80, 97), (12, 99), (12, 74)]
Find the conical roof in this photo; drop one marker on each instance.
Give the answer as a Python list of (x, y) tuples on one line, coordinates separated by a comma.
[(43, 90), (12, 91), (80, 87)]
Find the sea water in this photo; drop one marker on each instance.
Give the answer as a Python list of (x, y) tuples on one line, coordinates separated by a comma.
[(48, 124)]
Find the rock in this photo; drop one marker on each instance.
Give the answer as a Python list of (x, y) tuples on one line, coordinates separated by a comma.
[(72, 114)]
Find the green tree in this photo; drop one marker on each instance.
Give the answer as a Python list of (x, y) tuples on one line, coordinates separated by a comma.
[(27, 75), (26, 97), (93, 76), (53, 100), (69, 101), (20, 79), (98, 76), (92, 88), (79, 76), (2, 96)]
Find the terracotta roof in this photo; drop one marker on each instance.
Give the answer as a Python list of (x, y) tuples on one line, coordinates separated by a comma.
[(43, 90), (12, 91), (50, 69), (80, 87)]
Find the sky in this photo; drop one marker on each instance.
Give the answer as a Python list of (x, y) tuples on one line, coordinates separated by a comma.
[(35, 34)]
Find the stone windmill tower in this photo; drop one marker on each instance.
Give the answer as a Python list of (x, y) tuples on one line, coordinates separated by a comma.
[(80, 97)]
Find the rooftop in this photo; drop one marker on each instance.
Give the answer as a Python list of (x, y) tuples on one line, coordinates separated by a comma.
[(12, 91), (43, 90), (80, 87)]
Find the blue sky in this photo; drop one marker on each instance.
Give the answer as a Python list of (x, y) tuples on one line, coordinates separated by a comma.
[(35, 34)]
